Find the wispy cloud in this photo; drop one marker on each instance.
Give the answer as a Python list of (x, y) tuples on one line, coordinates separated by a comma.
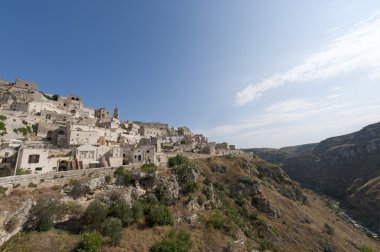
[(356, 50), (294, 122)]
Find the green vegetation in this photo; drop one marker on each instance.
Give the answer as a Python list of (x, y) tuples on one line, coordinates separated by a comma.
[(176, 240), (2, 126), (24, 122), (21, 171), (329, 229), (3, 190), (366, 249), (24, 131), (50, 97), (94, 216), (125, 175), (91, 242), (108, 179), (191, 187), (149, 168), (177, 160), (128, 215), (113, 229), (158, 216), (221, 222), (3, 118), (45, 212)]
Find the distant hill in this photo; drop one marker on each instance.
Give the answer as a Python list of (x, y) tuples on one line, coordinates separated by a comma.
[(346, 167), (277, 156)]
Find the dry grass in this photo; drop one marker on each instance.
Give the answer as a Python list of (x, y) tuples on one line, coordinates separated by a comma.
[(53, 240)]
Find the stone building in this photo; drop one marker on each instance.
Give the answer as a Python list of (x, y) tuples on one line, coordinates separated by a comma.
[(102, 114), (26, 85)]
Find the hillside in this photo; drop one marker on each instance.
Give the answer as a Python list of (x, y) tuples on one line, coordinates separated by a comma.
[(345, 167), (222, 203)]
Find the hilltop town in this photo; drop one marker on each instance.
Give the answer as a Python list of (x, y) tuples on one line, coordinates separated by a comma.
[(42, 133)]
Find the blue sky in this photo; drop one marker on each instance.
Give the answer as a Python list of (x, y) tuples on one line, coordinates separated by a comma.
[(253, 73)]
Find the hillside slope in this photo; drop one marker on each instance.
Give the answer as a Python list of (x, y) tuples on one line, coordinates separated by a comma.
[(224, 203), (347, 168)]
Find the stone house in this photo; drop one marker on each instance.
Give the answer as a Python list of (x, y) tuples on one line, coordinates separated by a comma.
[(26, 85), (90, 156)]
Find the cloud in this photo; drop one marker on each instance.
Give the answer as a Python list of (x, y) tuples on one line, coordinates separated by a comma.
[(297, 121), (356, 50)]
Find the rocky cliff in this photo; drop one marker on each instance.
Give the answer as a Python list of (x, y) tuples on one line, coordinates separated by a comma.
[(345, 167)]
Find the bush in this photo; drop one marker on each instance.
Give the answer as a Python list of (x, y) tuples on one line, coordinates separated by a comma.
[(3, 118), (191, 187), (45, 213), (177, 160), (219, 221), (24, 122), (201, 199), (329, 229), (90, 242), (148, 168), (178, 241), (12, 224), (119, 171), (121, 210), (94, 215), (21, 171), (159, 216), (2, 126), (366, 249), (113, 229), (3, 190), (108, 179)]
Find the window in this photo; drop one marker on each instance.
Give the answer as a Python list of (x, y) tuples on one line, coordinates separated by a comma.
[(34, 159), (38, 168)]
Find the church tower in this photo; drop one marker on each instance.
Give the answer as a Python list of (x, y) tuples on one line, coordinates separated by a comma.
[(116, 113)]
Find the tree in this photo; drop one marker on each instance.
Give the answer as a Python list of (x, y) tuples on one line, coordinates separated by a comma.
[(120, 209), (94, 215), (45, 213), (90, 242), (113, 229)]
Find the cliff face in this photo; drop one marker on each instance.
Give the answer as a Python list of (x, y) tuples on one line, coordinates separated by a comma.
[(345, 167)]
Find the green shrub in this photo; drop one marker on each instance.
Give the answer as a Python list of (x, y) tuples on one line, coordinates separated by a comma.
[(176, 240), (45, 213), (119, 171), (94, 215), (3, 190), (21, 171), (366, 249), (120, 209), (113, 229), (201, 199), (148, 168), (219, 221), (2, 126), (177, 160), (128, 178), (108, 179), (24, 122), (159, 216), (191, 187), (329, 229), (91, 242), (3, 118)]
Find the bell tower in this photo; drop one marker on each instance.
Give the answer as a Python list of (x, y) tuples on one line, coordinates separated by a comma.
[(116, 113)]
